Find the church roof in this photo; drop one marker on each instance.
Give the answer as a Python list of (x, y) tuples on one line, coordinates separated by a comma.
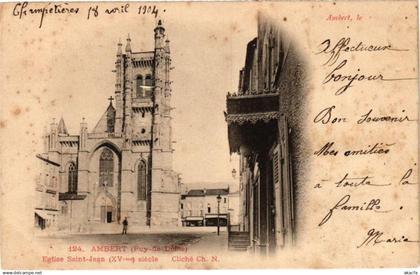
[(195, 193), (206, 192), (62, 129), (103, 124), (214, 192), (47, 160)]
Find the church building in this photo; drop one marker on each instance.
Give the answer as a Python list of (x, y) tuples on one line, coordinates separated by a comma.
[(123, 166)]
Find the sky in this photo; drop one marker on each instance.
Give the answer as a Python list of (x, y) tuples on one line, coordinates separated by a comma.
[(75, 59)]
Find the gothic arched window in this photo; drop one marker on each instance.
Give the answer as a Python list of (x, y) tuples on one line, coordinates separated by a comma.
[(149, 81), (106, 168), (139, 89), (141, 181), (72, 178)]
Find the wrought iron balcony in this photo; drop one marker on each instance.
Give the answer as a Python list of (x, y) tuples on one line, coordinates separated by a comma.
[(251, 118)]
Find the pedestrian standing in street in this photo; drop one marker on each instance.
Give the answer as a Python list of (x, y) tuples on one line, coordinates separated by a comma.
[(125, 226)]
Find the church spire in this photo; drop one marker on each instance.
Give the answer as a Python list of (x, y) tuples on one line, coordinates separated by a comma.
[(110, 100), (83, 134), (45, 139), (119, 50), (62, 129), (159, 35), (159, 28), (167, 48), (110, 116), (128, 46)]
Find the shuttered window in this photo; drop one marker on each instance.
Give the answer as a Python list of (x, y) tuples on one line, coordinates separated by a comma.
[(276, 167)]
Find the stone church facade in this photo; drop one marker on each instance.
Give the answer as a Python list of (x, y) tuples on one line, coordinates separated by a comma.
[(123, 167)]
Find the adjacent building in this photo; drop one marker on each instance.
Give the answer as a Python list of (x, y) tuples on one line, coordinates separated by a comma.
[(122, 167), (200, 207), (263, 119), (233, 206), (46, 194)]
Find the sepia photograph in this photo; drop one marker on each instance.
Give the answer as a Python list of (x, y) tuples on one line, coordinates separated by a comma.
[(209, 135)]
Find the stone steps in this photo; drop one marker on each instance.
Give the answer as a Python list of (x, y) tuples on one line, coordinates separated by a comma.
[(238, 241)]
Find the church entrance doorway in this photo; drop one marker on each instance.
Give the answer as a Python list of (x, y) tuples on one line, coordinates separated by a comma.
[(108, 217), (106, 208), (107, 214)]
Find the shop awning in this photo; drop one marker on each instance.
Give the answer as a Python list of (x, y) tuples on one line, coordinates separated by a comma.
[(194, 218), (211, 216), (43, 214)]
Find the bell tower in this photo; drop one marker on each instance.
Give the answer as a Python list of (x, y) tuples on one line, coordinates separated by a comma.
[(143, 124), (165, 191)]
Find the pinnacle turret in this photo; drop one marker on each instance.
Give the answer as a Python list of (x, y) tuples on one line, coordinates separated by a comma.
[(128, 46), (119, 50)]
